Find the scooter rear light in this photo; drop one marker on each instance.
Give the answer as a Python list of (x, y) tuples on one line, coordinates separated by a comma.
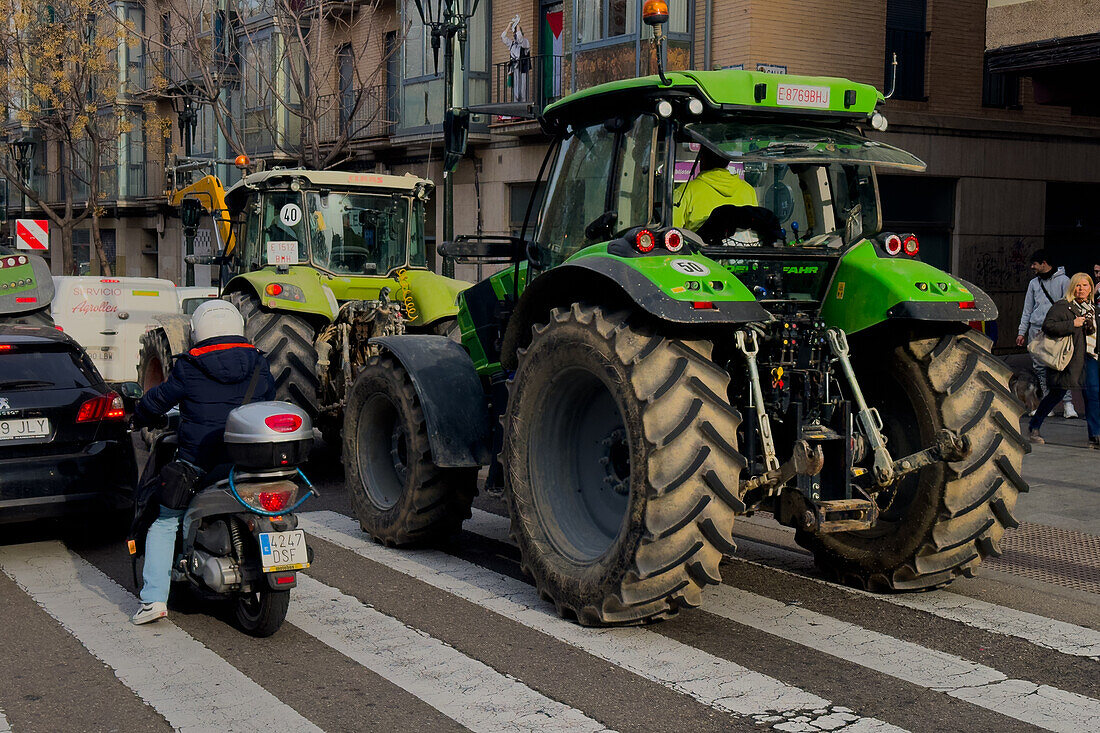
[(644, 241), (286, 423), (273, 501), (284, 580)]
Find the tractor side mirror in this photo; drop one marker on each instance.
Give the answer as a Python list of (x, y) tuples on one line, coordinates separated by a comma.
[(456, 130)]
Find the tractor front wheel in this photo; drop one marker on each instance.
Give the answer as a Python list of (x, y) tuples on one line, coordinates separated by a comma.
[(287, 341), (154, 359), (941, 522), (621, 467), (399, 495)]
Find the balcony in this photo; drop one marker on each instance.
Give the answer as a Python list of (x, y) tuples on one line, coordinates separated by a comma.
[(376, 115), (538, 82)]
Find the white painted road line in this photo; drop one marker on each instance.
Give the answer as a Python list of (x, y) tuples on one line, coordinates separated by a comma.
[(1059, 636), (1041, 705), (711, 680), (464, 689), (187, 683), (5, 726)]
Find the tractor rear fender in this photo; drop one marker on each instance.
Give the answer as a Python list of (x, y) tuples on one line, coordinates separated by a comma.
[(28, 284), (615, 282), (301, 290), (177, 329), (869, 288), (428, 297), (450, 394)]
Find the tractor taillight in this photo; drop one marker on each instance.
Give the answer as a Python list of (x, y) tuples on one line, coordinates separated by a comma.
[(968, 305), (892, 245), (674, 240), (644, 241), (911, 245), (274, 289)]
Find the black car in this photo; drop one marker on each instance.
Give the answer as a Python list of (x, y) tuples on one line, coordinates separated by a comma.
[(64, 444)]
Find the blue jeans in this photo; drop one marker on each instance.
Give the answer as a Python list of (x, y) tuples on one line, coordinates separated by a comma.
[(1092, 396), (160, 546)]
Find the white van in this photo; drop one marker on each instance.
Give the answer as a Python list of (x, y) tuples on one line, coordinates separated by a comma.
[(192, 296), (108, 315)]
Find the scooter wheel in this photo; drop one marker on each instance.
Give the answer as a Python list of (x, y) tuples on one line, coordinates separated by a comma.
[(261, 613)]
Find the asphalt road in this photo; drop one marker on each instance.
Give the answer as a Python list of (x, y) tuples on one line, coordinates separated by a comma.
[(455, 638)]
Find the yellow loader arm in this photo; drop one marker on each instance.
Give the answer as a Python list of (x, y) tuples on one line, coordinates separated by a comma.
[(209, 191)]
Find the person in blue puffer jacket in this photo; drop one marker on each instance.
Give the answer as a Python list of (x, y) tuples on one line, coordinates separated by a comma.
[(207, 383)]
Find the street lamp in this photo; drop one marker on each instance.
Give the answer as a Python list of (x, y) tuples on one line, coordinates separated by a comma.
[(447, 19), (22, 151), (187, 116)]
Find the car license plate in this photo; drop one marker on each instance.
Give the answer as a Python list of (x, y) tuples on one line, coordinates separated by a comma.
[(281, 551), (35, 427)]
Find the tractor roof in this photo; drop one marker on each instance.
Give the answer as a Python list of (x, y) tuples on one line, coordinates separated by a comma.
[(334, 180), (730, 90)]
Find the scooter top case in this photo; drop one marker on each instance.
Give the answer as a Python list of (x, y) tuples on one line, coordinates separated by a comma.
[(267, 435)]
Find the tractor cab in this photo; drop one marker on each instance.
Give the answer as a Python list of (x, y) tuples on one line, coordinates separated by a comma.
[(309, 218)]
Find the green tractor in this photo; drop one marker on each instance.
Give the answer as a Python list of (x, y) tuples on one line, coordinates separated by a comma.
[(26, 289), (318, 262), (634, 383)]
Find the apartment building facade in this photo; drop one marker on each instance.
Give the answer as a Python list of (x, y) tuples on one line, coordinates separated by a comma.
[(1011, 166)]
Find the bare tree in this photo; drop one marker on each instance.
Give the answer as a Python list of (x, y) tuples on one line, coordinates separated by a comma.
[(298, 77), (61, 83)]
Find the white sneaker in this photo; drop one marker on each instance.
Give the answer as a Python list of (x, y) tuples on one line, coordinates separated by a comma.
[(1068, 412), (149, 612)]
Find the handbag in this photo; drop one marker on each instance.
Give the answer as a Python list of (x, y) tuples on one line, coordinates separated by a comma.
[(1053, 353), (178, 482)]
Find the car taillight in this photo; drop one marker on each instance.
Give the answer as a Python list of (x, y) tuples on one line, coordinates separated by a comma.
[(274, 501), (283, 423), (911, 245), (5, 347), (644, 241), (674, 240), (892, 245), (104, 407)]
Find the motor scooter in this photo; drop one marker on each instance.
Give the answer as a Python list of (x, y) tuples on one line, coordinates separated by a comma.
[(239, 538)]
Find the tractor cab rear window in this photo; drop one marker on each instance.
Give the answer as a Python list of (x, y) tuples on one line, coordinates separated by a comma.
[(358, 234), (791, 185)]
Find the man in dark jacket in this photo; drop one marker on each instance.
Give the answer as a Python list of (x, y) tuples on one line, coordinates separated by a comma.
[(207, 383)]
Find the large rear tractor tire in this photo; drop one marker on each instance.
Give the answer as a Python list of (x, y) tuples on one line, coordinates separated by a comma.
[(399, 495), (942, 522), (621, 467), (287, 340), (154, 359)]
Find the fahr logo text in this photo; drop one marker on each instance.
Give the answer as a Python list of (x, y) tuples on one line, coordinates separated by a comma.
[(85, 307)]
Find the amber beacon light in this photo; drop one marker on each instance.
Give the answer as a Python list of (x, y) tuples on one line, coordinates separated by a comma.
[(655, 12)]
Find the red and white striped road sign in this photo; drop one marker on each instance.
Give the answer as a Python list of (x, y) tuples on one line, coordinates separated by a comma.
[(32, 234)]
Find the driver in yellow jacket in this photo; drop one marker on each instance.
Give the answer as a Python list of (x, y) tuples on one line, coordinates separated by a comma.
[(715, 186)]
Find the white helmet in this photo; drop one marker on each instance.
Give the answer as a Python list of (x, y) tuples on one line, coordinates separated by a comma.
[(216, 318)]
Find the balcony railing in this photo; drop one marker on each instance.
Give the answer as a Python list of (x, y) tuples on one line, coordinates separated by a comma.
[(375, 116), (535, 80)]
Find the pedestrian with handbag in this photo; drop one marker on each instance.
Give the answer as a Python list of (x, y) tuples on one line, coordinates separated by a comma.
[(1044, 290), (1072, 318), (1092, 370)]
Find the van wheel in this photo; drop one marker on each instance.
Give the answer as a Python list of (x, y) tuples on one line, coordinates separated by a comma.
[(154, 359), (287, 341)]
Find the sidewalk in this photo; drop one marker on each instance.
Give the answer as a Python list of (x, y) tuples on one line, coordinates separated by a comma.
[(1065, 478)]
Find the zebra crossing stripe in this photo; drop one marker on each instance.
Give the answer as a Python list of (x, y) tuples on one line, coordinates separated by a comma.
[(711, 680), (180, 678), (1041, 705), (464, 689), (1048, 633)]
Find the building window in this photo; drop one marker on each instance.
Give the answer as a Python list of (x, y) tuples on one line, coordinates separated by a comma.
[(1000, 89), (519, 197), (907, 37), (599, 20)]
